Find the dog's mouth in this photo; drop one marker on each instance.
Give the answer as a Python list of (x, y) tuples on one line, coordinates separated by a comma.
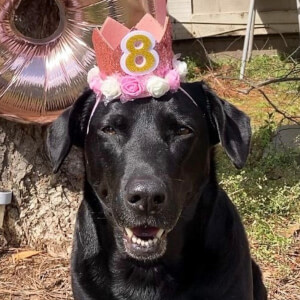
[(145, 242)]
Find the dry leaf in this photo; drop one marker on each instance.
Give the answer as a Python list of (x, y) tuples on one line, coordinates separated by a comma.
[(24, 254)]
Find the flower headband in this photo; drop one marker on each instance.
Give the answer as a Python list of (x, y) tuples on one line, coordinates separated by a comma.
[(137, 62), (130, 87)]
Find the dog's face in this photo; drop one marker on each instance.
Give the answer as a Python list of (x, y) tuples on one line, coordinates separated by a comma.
[(147, 160), (144, 160)]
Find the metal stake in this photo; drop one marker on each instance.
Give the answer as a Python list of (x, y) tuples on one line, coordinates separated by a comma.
[(247, 37)]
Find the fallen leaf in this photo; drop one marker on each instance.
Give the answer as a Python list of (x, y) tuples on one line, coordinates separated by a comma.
[(24, 254)]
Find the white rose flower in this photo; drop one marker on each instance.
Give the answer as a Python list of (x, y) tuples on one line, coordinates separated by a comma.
[(110, 88), (95, 71), (157, 86), (180, 67)]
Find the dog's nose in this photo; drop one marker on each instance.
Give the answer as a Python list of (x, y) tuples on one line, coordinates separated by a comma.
[(146, 195)]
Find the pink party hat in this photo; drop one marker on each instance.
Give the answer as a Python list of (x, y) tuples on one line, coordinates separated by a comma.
[(136, 62)]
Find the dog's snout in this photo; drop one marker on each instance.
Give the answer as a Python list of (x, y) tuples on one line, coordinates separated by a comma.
[(146, 195)]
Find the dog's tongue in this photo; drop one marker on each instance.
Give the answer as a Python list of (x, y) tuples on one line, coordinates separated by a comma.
[(147, 232)]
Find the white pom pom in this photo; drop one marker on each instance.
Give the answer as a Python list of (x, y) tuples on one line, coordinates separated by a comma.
[(94, 72), (157, 86), (180, 67), (110, 88)]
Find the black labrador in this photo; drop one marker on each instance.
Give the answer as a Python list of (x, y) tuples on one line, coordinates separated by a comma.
[(154, 223)]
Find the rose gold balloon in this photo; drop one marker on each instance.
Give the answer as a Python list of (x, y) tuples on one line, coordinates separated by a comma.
[(40, 77)]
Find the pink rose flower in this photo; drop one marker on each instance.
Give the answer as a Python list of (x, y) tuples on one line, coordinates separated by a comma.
[(173, 79), (131, 87)]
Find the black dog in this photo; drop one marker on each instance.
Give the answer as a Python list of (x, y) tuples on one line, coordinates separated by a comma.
[(154, 224)]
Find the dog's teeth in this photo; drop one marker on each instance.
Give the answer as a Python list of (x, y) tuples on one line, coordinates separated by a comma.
[(129, 232), (138, 241), (160, 233)]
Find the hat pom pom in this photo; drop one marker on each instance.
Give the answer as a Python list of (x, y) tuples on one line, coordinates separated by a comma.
[(157, 86)]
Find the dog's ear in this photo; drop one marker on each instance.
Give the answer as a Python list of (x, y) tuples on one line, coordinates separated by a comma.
[(232, 127), (69, 129), (226, 123)]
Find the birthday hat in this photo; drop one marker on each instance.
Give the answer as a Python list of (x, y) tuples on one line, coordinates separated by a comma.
[(135, 62)]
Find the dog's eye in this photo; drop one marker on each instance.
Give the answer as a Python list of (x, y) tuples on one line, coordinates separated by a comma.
[(183, 131), (108, 130)]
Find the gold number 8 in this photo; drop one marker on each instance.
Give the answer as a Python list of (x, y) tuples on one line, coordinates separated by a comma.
[(138, 57)]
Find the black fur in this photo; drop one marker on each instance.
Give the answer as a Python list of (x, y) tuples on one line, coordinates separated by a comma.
[(162, 146)]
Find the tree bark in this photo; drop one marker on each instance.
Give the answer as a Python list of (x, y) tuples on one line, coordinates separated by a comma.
[(44, 205)]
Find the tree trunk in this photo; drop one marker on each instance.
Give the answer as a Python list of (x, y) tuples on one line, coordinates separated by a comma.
[(44, 205)]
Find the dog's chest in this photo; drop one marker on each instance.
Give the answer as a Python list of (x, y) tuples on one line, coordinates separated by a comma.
[(138, 283)]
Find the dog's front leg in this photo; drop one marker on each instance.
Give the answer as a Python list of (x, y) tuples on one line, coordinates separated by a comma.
[(89, 271)]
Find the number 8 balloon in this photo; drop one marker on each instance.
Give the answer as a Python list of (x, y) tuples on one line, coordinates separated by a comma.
[(41, 75)]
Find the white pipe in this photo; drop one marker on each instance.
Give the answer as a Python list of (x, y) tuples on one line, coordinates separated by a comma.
[(247, 37), (5, 198), (250, 47)]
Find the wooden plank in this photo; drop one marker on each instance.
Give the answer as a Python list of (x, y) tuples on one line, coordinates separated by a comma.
[(182, 31), (215, 6), (202, 25), (240, 18), (180, 10), (223, 6)]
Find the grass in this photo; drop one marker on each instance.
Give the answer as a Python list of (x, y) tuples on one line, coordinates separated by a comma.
[(267, 190), (267, 194), (223, 73)]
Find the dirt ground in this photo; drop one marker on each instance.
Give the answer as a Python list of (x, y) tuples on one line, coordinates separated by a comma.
[(44, 277), (40, 277)]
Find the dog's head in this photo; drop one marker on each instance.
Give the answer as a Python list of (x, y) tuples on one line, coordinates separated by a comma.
[(147, 160)]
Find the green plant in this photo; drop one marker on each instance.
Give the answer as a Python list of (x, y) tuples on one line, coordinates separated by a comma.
[(267, 190)]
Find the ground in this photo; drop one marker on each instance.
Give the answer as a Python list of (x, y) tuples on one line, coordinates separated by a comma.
[(266, 191)]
